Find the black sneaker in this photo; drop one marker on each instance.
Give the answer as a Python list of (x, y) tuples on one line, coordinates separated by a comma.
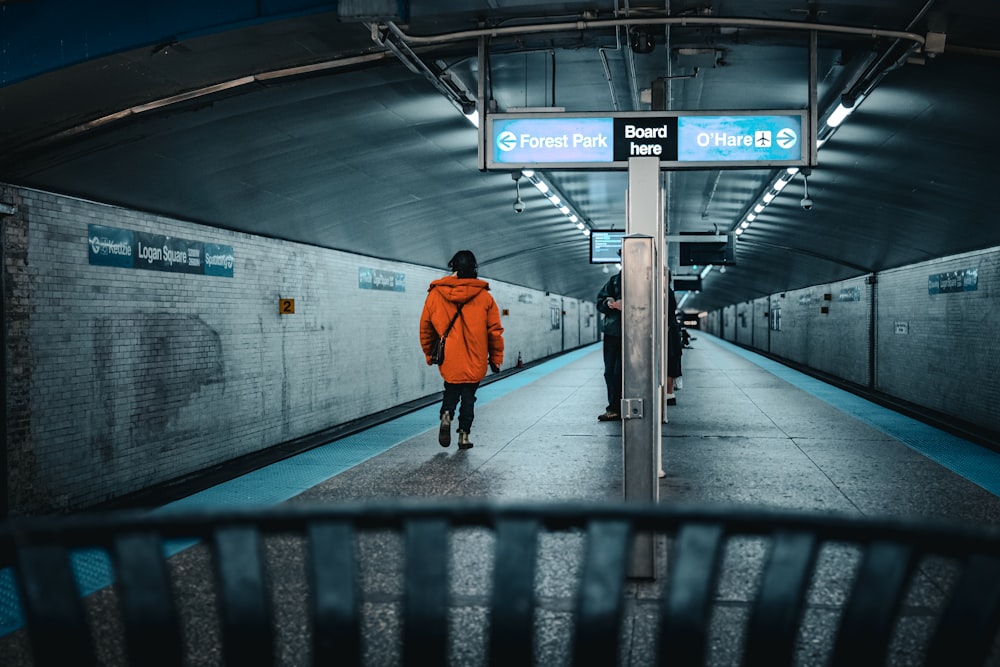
[(444, 432), (609, 416)]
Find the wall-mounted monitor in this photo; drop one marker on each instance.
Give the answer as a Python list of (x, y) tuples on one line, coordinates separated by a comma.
[(687, 283), (605, 246), (702, 249)]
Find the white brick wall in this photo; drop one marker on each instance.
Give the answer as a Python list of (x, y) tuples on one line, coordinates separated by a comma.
[(940, 351), (119, 379)]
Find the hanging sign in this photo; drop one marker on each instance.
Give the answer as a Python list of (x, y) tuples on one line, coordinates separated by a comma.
[(679, 140)]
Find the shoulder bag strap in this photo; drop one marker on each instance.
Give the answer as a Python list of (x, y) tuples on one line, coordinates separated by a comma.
[(452, 323)]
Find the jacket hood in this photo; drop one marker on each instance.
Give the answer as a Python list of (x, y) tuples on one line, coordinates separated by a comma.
[(459, 290)]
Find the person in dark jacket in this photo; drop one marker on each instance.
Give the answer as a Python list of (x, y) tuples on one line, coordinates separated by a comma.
[(609, 303), (475, 340)]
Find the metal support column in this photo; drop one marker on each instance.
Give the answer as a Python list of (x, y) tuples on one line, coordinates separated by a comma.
[(642, 299)]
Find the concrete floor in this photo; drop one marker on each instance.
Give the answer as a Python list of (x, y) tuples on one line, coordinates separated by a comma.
[(739, 435)]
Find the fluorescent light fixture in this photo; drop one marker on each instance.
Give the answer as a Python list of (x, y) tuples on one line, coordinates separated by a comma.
[(575, 219), (473, 118), (564, 209), (580, 225), (838, 115), (528, 172), (744, 224), (586, 232), (792, 171), (780, 184), (542, 186), (707, 270), (768, 197), (554, 199), (751, 217), (739, 230), (758, 208)]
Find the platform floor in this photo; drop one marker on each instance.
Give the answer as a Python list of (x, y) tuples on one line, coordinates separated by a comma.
[(745, 431)]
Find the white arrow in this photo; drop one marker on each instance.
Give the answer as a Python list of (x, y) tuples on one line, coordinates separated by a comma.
[(506, 141), (787, 138)]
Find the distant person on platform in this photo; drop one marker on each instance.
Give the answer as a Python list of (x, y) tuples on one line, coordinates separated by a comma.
[(475, 340), (674, 345), (609, 304)]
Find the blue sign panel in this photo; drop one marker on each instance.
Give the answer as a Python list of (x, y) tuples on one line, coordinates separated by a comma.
[(966, 280), (127, 249), (552, 139), (108, 246), (219, 260), (739, 138), (377, 279), (679, 140)]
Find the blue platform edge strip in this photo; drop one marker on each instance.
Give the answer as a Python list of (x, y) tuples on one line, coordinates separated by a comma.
[(976, 463), (283, 480)]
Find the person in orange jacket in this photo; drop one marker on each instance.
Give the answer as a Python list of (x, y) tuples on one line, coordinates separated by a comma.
[(475, 340)]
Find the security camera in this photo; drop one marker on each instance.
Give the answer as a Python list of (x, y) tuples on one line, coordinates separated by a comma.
[(518, 206), (806, 203)]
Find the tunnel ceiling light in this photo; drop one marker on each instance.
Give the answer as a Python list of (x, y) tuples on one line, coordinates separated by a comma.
[(839, 115), (564, 206), (768, 197)]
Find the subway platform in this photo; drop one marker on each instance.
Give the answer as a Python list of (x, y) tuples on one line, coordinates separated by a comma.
[(746, 432)]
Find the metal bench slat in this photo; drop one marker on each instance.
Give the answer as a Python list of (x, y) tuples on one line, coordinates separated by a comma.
[(968, 625), (247, 631), (598, 615), (771, 633), (152, 631), (335, 597), (513, 600), (687, 604), (425, 600), (57, 626), (870, 612)]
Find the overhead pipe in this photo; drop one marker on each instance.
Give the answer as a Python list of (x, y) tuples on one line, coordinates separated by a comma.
[(683, 21)]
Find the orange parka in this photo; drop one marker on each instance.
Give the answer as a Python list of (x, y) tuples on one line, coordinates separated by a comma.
[(476, 338)]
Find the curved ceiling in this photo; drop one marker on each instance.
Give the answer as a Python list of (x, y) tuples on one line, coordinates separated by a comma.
[(299, 120)]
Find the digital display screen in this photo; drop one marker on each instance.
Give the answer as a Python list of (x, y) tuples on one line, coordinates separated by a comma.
[(606, 245)]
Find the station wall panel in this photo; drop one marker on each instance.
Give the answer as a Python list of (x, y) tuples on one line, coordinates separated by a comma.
[(120, 378)]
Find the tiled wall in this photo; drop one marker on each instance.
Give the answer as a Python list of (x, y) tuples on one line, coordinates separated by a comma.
[(121, 378), (934, 342)]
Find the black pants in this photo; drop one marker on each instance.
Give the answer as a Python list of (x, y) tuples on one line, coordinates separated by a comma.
[(466, 394), (613, 371)]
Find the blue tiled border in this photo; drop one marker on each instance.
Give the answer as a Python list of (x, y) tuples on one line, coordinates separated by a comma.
[(283, 480), (975, 463)]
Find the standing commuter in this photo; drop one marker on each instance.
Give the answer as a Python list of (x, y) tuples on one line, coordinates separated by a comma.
[(609, 303), (674, 345), (475, 340)]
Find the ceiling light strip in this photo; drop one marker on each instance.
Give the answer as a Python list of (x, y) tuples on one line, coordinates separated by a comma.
[(558, 200)]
